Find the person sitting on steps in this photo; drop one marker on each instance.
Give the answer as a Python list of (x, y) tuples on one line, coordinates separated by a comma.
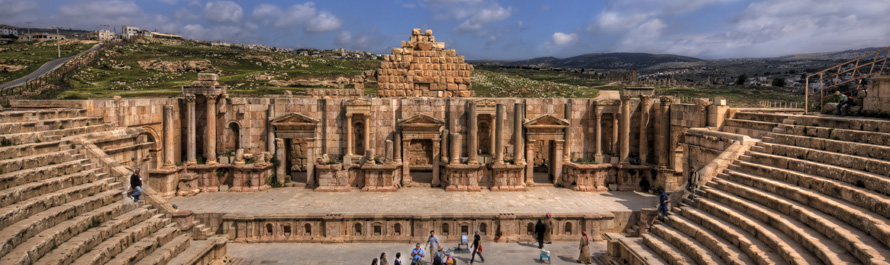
[(845, 101)]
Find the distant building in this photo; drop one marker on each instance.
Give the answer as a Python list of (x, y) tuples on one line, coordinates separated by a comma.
[(46, 37), (128, 32), (165, 35), (102, 35), (8, 30)]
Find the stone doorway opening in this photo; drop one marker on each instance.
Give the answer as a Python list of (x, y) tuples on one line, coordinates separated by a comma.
[(297, 163), (545, 154), (420, 159)]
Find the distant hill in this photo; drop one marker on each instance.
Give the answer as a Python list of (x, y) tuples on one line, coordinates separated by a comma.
[(602, 61), (841, 55)]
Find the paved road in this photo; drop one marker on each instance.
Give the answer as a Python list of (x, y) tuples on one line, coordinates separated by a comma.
[(362, 253), (43, 70)]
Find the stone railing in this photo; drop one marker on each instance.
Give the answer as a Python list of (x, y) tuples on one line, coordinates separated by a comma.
[(394, 227), (711, 152)]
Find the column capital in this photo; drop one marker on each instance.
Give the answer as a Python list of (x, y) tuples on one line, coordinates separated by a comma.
[(211, 97), (190, 98), (666, 100), (349, 115), (645, 99), (625, 99)]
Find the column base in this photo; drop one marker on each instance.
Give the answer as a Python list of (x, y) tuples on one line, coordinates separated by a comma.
[(598, 159), (191, 162)]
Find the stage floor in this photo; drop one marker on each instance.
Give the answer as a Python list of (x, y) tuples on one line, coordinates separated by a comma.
[(431, 201)]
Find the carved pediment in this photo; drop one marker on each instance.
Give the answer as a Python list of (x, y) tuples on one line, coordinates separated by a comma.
[(358, 102), (546, 120), (421, 121), (294, 121), (486, 103)]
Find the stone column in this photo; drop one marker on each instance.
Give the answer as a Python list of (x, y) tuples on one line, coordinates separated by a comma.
[(210, 130), (281, 170), (518, 141), (168, 136), (310, 169), (397, 147), (644, 125), (472, 131), (437, 161), (443, 152), (598, 157), (350, 145), (455, 149), (406, 167), (388, 156), (557, 163), (270, 130), (499, 135), (191, 144), (567, 150), (662, 139), (614, 134), (367, 135), (530, 166), (624, 132)]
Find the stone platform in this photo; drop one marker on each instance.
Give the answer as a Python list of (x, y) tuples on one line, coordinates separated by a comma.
[(303, 215), (415, 201)]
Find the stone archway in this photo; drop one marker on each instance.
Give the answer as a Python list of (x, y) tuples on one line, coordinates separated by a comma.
[(232, 137), (154, 149), (546, 140)]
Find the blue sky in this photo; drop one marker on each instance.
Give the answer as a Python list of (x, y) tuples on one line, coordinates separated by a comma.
[(494, 29)]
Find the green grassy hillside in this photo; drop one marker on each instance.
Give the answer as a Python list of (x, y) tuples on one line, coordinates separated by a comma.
[(35, 54)]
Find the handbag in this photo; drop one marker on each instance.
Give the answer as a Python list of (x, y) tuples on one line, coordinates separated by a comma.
[(480, 249)]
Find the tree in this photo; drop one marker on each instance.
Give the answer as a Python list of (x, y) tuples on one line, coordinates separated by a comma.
[(779, 82), (742, 79)]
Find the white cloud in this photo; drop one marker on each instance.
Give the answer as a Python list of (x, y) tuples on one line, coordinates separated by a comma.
[(185, 14), (473, 15), (223, 12), (17, 11), (360, 41), (560, 38), (305, 16)]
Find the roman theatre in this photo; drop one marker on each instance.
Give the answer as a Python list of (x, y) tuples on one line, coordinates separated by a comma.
[(337, 166)]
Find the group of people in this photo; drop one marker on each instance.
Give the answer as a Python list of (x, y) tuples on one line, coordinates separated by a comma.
[(383, 261), (437, 255), (544, 229)]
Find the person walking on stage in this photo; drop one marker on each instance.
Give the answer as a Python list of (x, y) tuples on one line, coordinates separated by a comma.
[(477, 247)]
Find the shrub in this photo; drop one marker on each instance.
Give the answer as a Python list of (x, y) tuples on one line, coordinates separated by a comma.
[(273, 181)]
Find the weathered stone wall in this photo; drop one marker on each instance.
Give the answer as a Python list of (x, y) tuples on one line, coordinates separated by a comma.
[(878, 99), (423, 67)]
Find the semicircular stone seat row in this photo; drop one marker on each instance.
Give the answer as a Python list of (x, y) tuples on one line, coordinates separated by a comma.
[(57, 207), (816, 190)]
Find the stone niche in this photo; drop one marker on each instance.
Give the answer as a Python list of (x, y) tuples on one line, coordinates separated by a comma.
[(423, 67)]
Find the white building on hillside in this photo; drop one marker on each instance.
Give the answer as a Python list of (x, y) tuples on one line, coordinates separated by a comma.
[(128, 32)]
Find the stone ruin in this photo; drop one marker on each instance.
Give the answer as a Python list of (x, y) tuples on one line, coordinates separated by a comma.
[(422, 67), (777, 187)]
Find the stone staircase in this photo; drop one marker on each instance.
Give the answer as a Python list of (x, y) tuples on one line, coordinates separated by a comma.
[(57, 206), (816, 190)]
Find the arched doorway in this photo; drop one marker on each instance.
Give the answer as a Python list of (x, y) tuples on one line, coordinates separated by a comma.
[(232, 136)]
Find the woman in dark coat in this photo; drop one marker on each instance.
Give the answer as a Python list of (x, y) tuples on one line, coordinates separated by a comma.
[(540, 231)]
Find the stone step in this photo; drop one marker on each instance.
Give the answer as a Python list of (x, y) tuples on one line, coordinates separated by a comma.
[(47, 240), (17, 233), (124, 148), (108, 249), (759, 252), (848, 123), (790, 251), (865, 150), (12, 179), (751, 124), (693, 249), (843, 135), (75, 247), (717, 245), (825, 249), (876, 166), (145, 246), (168, 251), (24, 209), (14, 151), (858, 178), (23, 192), (35, 161), (53, 135), (872, 206), (665, 250), (767, 117), (41, 114), (843, 231), (46, 125)]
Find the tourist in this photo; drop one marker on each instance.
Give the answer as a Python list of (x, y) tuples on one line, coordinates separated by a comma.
[(844, 102), (398, 260), (663, 200), (374, 262), (477, 247), (585, 249), (417, 255), (539, 231), (438, 257), (383, 259), (548, 224), (432, 242), (449, 260), (692, 183), (136, 185)]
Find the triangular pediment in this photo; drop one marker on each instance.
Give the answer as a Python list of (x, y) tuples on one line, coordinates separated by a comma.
[(420, 119), (293, 118), (548, 120)]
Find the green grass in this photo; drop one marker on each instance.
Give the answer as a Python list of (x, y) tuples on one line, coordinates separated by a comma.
[(35, 54), (500, 84), (576, 79), (736, 96), (118, 72)]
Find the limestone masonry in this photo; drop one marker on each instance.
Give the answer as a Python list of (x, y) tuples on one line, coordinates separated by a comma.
[(423, 67)]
